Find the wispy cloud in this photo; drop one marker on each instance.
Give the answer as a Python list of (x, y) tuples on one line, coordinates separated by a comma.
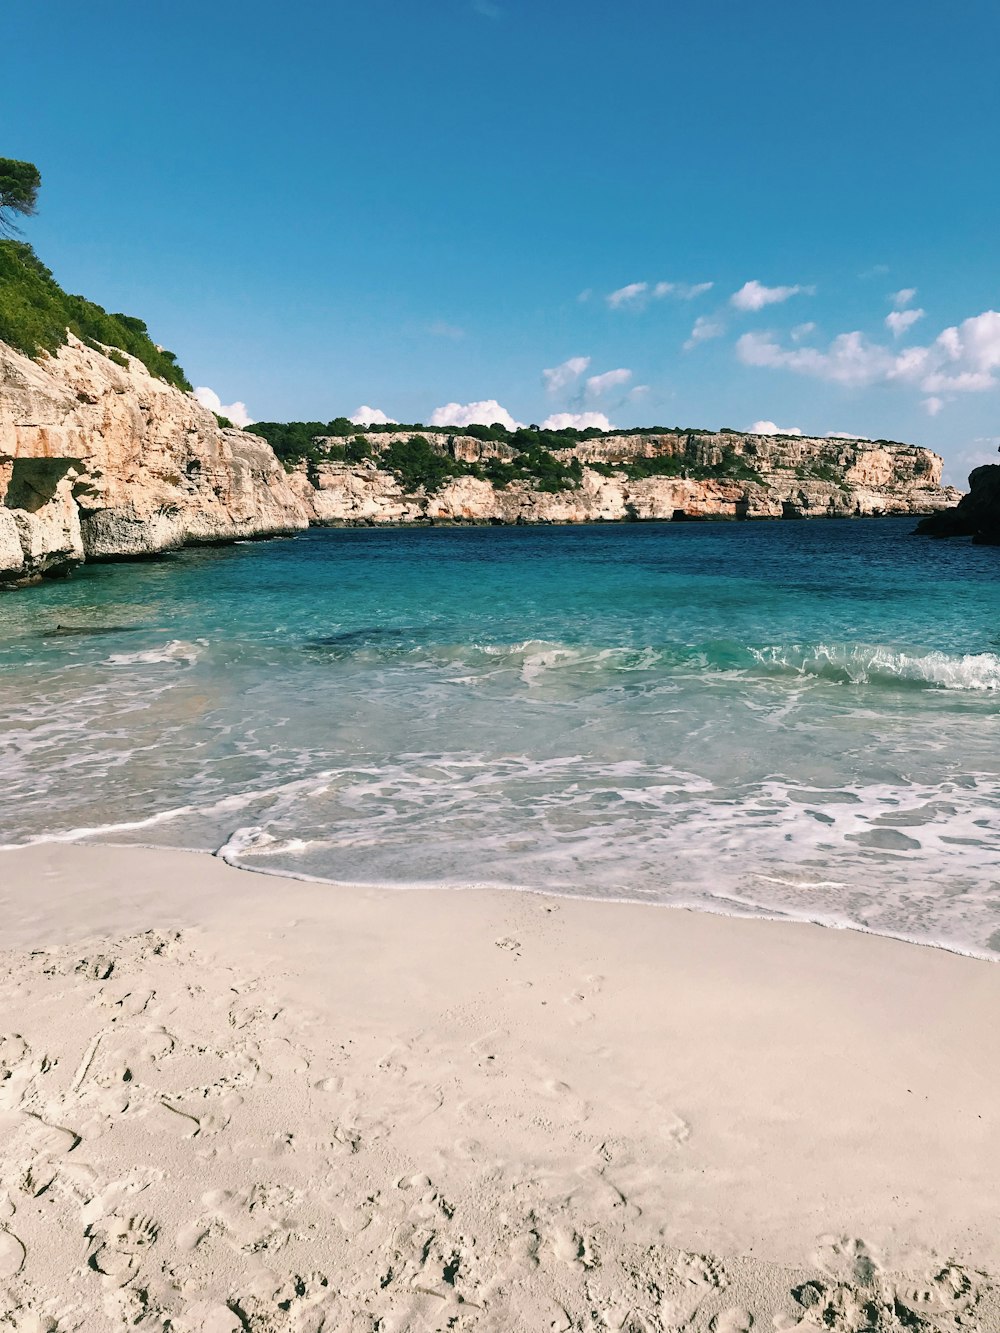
[(898, 321), (235, 412), (705, 328), (682, 291), (753, 295), (370, 416), (483, 413), (598, 385), (637, 294), (440, 329), (567, 373), (487, 8), (627, 295), (903, 297), (579, 420)]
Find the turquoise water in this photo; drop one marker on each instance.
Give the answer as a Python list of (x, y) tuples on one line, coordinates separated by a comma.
[(798, 719)]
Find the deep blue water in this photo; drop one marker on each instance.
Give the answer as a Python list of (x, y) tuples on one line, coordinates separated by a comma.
[(796, 718)]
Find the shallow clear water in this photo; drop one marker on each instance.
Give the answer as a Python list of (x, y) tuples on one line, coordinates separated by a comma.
[(793, 718)]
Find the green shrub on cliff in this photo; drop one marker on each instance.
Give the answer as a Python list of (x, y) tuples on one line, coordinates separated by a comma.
[(731, 467), (35, 314), (418, 464)]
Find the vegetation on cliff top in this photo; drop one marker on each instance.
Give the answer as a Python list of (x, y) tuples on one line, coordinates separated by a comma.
[(419, 464), (35, 312)]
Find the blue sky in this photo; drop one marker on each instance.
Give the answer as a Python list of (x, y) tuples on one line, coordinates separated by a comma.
[(407, 204)]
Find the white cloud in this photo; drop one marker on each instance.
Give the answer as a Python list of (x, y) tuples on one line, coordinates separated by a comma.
[(236, 412), (962, 359), (753, 295), (769, 428), (581, 420), (611, 379), (370, 416), (903, 297), (483, 413), (627, 294), (637, 293), (803, 331), (566, 373), (845, 435), (932, 405), (850, 358), (901, 320), (638, 392), (705, 327), (684, 291)]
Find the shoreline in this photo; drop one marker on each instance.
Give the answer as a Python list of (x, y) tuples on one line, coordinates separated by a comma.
[(751, 912), (499, 1103)]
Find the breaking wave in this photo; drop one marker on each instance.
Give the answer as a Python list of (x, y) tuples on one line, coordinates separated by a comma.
[(859, 664)]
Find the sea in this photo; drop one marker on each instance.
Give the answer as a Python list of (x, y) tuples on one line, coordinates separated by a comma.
[(798, 720)]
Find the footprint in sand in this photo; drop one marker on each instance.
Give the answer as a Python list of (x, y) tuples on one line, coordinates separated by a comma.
[(16, 1071), (279, 1057), (118, 1245), (734, 1320), (579, 1013), (12, 1255), (699, 1270), (846, 1259), (947, 1290), (571, 1248), (97, 968), (13, 1053), (676, 1130)]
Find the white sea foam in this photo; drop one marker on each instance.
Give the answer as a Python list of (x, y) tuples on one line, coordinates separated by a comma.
[(177, 650), (860, 664)]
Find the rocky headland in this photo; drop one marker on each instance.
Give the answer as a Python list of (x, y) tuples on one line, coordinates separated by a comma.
[(682, 475), (977, 515), (100, 459)]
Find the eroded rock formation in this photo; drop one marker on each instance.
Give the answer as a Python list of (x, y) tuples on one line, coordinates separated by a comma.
[(977, 515), (101, 460)]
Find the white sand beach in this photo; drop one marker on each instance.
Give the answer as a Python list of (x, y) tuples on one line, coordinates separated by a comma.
[(234, 1101)]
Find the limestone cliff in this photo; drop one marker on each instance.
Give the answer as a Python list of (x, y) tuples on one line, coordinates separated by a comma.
[(693, 476), (977, 514), (100, 460)]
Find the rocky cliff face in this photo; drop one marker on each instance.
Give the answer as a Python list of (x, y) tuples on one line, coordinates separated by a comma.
[(772, 477), (101, 460), (977, 514)]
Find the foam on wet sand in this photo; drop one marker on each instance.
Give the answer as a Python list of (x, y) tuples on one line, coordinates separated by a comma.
[(235, 1101)]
